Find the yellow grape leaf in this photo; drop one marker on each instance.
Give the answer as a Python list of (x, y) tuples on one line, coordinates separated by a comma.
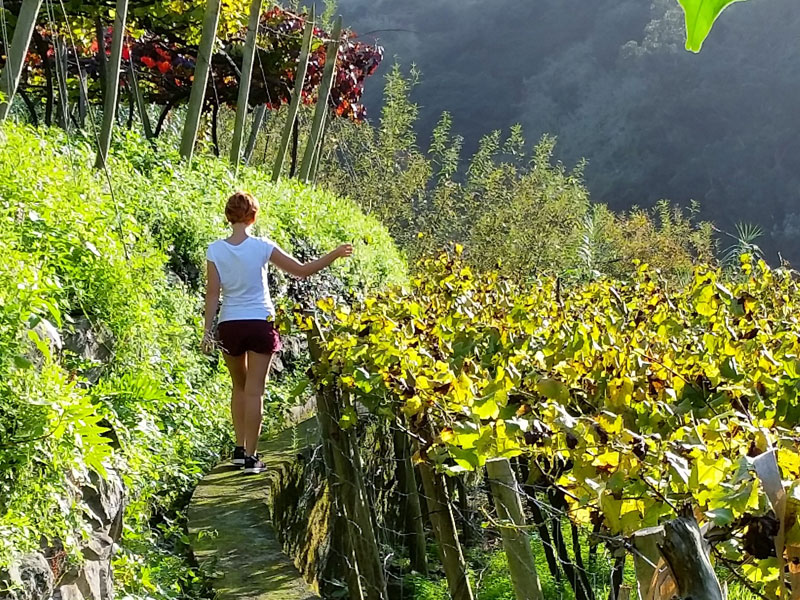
[(607, 459), (611, 509), (620, 393), (708, 472), (789, 462), (486, 408), (422, 383), (706, 303)]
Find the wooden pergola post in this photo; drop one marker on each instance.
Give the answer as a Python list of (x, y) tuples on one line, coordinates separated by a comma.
[(244, 82), (516, 541), (201, 70), (314, 140), (15, 54), (112, 83), (294, 105)]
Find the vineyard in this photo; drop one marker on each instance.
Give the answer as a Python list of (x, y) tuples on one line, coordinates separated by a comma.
[(620, 406), (574, 403)]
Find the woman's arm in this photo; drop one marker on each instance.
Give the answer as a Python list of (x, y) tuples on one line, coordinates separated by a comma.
[(212, 303), (292, 266)]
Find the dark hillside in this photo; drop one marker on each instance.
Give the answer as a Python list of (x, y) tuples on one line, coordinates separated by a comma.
[(612, 80)]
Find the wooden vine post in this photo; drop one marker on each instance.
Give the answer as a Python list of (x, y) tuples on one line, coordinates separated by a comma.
[(318, 153), (202, 67), (60, 55), (647, 559), (516, 542), (687, 558), (411, 510), (100, 33), (314, 140), (141, 106), (343, 465), (258, 121), (9, 78), (112, 83), (444, 529), (244, 82), (294, 105), (671, 560)]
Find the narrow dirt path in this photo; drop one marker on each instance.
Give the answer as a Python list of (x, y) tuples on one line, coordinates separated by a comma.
[(232, 537)]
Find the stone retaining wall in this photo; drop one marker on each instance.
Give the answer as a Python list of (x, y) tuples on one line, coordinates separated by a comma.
[(45, 574)]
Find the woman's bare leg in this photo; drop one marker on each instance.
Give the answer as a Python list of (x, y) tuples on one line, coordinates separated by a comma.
[(237, 366), (257, 371)]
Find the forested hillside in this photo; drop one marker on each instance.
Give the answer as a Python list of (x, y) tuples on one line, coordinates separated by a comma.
[(611, 79)]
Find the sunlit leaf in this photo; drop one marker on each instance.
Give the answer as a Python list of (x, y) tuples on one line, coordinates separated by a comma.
[(700, 17)]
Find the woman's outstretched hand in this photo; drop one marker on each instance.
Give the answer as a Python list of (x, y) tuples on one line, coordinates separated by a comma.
[(290, 264), (344, 251)]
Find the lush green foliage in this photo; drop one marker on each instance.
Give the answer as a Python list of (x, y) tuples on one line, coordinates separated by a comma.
[(505, 205), (630, 397), (489, 571), (126, 267)]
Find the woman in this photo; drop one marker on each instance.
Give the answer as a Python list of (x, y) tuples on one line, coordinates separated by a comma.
[(237, 266)]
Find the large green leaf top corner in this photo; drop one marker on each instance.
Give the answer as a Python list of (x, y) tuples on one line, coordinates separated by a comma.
[(700, 17)]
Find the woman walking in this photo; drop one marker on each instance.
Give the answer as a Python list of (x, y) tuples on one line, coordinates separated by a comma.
[(237, 267)]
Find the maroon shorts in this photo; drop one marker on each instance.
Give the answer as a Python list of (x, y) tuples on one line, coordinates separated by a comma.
[(250, 335)]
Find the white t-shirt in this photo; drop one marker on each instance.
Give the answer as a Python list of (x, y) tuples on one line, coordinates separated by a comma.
[(243, 278)]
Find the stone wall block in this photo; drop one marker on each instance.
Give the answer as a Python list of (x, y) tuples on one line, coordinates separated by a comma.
[(105, 500), (30, 579)]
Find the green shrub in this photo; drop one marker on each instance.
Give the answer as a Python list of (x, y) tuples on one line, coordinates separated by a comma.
[(128, 267)]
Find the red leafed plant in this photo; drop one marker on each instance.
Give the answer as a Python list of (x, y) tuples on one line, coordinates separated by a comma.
[(164, 66)]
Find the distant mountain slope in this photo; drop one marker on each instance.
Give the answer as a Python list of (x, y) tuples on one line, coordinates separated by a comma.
[(611, 79)]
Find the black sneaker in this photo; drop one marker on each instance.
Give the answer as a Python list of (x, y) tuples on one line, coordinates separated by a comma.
[(238, 456), (252, 465)]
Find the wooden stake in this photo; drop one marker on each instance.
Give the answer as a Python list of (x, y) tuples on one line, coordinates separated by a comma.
[(9, 78), (202, 67), (517, 544), (294, 105), (346, 483), (60, 55), (688, 560), (313, 144), (318, 152), (258, 120), (100, 32), (244, 82), (83, 100), (140, 103), (444, 529), (646, 558), (411, 510), (112, 83)]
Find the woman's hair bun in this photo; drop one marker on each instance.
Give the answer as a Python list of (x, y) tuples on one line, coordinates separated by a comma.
[(241, 208)]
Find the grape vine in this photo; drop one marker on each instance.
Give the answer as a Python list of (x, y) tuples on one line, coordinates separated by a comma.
[(633, 399)]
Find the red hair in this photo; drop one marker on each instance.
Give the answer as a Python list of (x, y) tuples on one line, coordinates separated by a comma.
[(241, 207)]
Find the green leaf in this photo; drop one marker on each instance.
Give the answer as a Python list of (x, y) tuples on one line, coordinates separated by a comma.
[(487, 408), (553, 389), (720, 516), (700, 17), (349, 418), (22, 363)]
